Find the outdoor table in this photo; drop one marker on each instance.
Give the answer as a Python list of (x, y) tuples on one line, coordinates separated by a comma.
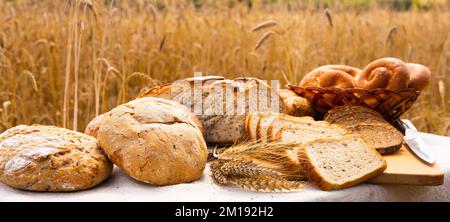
[(121, 187)]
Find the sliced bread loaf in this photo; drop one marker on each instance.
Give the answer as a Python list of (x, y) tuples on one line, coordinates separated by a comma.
[(340, 162), (291, 121), (302, 135), (263, 125), (368, 124)]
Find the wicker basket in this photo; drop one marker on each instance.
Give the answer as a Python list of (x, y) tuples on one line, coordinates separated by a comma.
[(390, 104)]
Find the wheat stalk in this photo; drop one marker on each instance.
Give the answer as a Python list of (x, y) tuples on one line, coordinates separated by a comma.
[(264, 25), (259, 166), (266, 184), (329, 17), (32, 78), (263, 39), (390, 35), (68, 64)]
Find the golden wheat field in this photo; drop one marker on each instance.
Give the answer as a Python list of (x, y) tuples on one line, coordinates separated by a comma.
[(63, 62)]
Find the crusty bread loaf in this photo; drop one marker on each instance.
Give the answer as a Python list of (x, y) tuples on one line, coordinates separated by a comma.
[(370, 125), (295, 104), (48, 158), (340, 162), (154, 141), (224, 104), (171, 90)]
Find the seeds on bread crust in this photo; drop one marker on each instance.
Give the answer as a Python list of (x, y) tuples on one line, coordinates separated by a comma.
[(48, 158)]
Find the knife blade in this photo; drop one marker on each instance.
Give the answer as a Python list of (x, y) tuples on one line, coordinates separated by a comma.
[(416, 143)]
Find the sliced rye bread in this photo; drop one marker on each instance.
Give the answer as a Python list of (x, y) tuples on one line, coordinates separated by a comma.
[(303, 135), (340, 111), (385, 139), (340, 162), (368, 124), (359, 119)]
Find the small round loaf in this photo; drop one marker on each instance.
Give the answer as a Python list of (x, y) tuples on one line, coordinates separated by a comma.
[(339, 76), (420, 76), (154, 141), (385, 73), (48, 158)]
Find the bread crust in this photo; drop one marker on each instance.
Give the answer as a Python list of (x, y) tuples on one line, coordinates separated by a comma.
[(420, 76), (94, 125), (386, 73), (49, 158), (339, 76), (295, 104), (154, 141), (313, 174)]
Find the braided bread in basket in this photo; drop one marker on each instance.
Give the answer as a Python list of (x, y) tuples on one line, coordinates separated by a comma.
[(391, 104)]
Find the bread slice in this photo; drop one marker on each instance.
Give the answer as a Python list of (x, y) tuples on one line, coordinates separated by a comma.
[(340, 162), (360, 118), (291, 121), (302, 135), (263, 125), (340, 111), (251, 125), (368, 124), (384, 138)]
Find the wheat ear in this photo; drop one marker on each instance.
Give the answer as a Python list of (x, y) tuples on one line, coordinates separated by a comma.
[(266, 184), (242, 168)]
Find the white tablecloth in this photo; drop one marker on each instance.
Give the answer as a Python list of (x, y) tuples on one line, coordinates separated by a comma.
[(120, 187)]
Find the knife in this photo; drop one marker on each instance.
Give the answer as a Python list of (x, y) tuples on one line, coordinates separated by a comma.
[(415, 142)]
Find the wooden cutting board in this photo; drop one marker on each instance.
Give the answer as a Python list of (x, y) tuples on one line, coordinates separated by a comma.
[(404, 167)]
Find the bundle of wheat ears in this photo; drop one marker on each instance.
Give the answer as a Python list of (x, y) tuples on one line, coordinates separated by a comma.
[(266, 167)]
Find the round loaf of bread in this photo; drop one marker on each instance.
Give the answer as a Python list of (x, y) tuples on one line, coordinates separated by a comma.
[(154, 141), (48, 158)]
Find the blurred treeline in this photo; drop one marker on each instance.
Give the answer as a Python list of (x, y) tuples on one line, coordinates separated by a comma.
[(396, 5)]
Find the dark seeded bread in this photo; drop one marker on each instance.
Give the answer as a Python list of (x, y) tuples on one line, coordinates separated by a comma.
[(340, 111), (368, 124), (339, 163), (385, 139)]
